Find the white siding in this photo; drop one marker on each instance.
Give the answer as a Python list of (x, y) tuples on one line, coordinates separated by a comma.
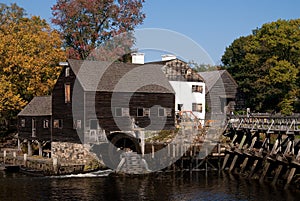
[(185, 96)]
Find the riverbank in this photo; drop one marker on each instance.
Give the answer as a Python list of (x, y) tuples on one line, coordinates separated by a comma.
[(12, 159)]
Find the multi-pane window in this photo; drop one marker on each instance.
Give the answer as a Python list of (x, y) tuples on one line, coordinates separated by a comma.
[(67, 93), (161, 112), (197, 88), (93, 124), (121, 112), (77, 124), (197, 107), (143, 112), (57, 123), (46, 123), (23, 121), (67, 73), (168, 112), (140, 112)]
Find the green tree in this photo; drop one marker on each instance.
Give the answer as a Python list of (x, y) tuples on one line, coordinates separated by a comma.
[(29, 53), (266, 65), (86, 25)]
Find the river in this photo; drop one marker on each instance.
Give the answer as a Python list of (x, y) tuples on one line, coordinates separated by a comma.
[(178, 187)]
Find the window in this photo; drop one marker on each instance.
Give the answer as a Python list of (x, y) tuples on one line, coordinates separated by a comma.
[(46, 123), (94, 124), (67, 93), (67, 73), (23, 123), (121, 112), (161, 112), (197, 88), (140, 112), (57, 123), (179, 106), (168, 112), (146, 112), (118, 112), (189, 72), (77, 124), (143, 112), (197, 107)]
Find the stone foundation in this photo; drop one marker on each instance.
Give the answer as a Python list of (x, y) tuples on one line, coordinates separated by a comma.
[(72, 153)]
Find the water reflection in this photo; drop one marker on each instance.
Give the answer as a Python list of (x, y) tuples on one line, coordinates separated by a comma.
[(187, 186)]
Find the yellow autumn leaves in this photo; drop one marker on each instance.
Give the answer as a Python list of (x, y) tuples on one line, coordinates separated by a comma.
[(29, 55)]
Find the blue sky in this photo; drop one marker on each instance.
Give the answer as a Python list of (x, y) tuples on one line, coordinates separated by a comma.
[(213, 24)]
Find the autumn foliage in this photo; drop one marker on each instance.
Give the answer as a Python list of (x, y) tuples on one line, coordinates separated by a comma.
[(29, 55), (88, 24)]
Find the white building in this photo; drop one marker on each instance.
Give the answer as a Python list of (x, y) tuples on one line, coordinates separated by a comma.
[(188, 85)]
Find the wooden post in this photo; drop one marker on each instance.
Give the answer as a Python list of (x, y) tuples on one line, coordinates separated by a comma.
[(253, 168), (174, 150), (29, 151), (14, 158), (152, 150), (290, 177), (242, 142), (40, 149), (225, 161), (25, 160), (219, 156), (244, 164), (233, 163), (142, 137), (277, 173), (4, 156), (265, 170), (55, 165), (19, 145)]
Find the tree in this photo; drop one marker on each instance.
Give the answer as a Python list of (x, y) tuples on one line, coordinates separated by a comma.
[(86, 25), (266, 65), (29, 55)]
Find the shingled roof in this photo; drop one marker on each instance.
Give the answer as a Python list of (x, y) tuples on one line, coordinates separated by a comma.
[(120, 77), (211, 78), (38, 106)]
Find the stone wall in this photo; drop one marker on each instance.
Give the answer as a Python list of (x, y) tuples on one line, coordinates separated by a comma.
[(73, 153)]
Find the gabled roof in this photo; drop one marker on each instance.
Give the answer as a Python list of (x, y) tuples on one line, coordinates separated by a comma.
[(211, 77), (38, 106), (120, 77)]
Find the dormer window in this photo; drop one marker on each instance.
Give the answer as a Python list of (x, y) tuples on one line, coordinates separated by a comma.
[(67, 73)]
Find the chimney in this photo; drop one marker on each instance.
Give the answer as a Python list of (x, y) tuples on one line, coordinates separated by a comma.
[(167, 57), (138, 58)]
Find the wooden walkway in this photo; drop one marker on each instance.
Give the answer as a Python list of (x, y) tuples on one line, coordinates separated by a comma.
[(266, 146)]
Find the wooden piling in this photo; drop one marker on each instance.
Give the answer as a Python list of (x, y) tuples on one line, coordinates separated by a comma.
[(265, 170), (225, 161), (253, 168), (4, 156), (152, 151), (277, 173), (290, 177), (233, 163), (244, 164)]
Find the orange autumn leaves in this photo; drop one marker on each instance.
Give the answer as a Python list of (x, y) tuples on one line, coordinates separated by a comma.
[(29, 53)]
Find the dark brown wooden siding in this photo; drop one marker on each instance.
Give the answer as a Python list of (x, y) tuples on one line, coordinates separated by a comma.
[(41, 133), (63, 111), (104, 109)]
